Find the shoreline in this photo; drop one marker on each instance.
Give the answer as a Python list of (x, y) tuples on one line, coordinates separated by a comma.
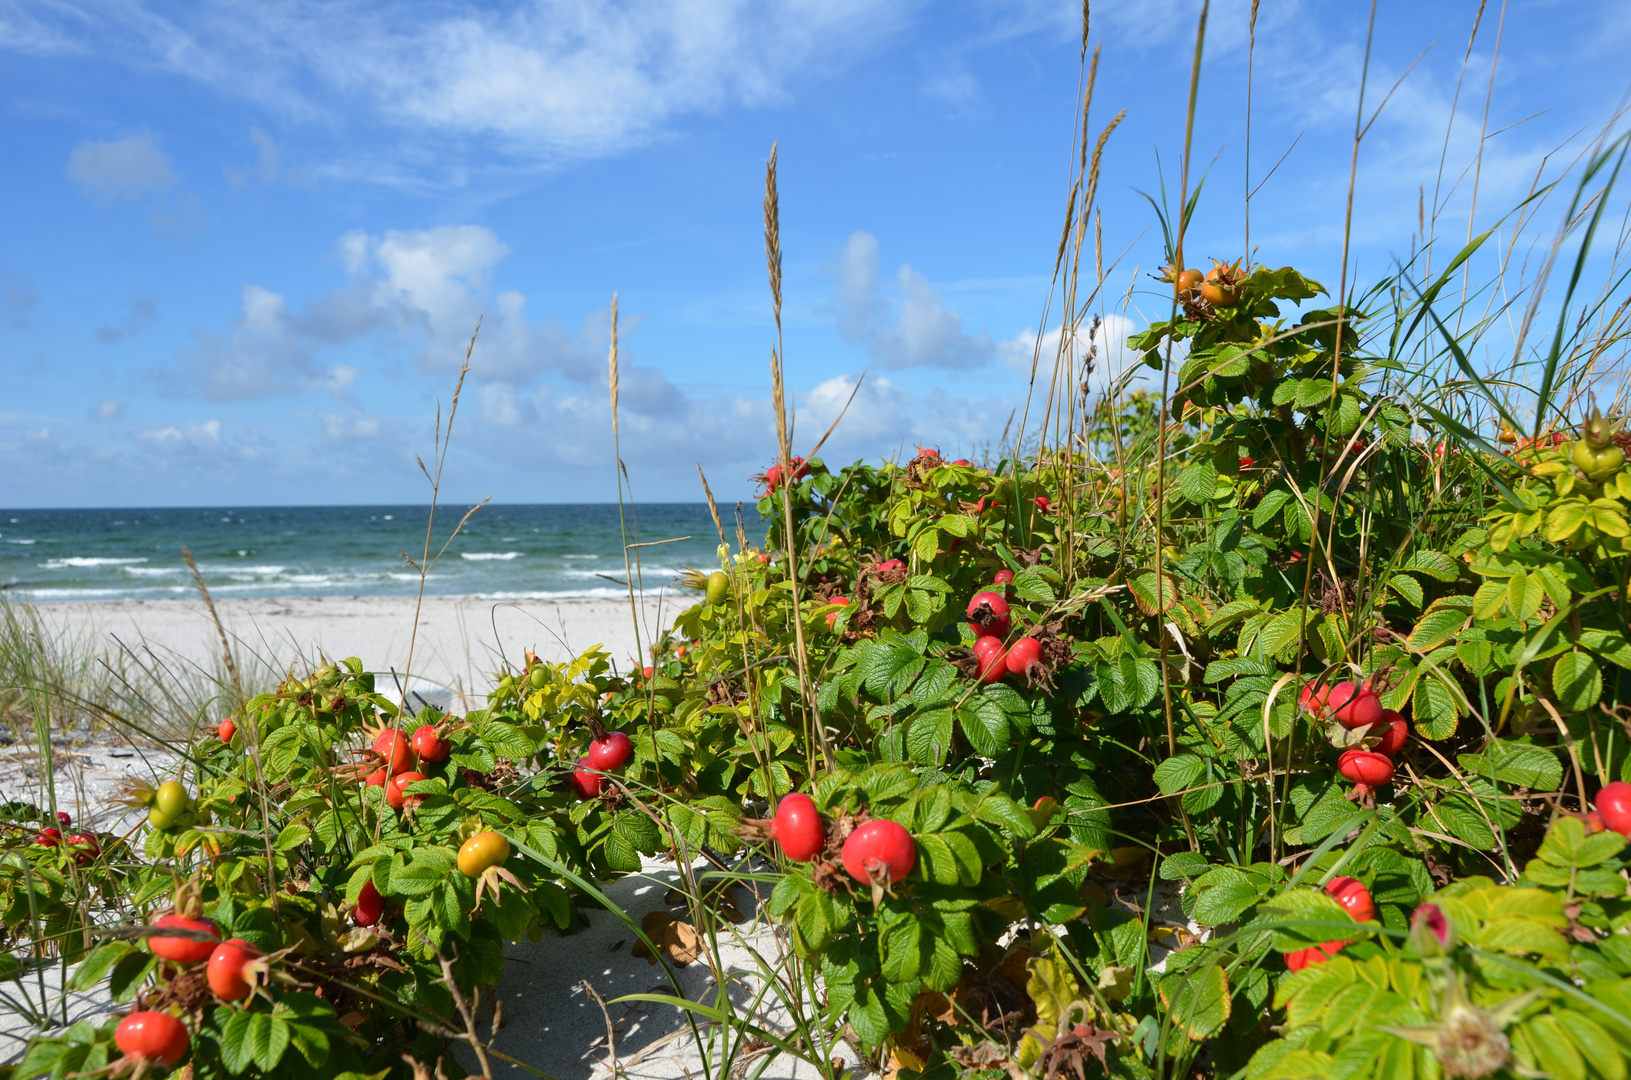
[(460, 642)]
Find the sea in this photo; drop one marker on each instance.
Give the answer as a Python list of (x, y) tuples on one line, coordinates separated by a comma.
[(503, 551)]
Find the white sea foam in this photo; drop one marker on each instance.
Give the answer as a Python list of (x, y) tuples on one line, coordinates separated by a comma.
[(575, 594), (152, 571), (20, 541), (482, 556), (85, 561), (649, 572)]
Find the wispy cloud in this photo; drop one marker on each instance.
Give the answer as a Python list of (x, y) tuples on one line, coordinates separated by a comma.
[(547, 81), (121, 169)]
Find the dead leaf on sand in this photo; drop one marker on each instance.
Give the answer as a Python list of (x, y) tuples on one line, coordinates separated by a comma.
[(677, 939)]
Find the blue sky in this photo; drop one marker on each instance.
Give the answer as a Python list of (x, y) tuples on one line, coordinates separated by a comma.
[(246, 243)]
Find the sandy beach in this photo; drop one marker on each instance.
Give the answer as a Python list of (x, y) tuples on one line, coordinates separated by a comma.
[(461, 641)]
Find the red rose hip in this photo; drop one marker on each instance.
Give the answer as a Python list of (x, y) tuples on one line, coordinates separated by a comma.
[(1394, 730), (988, 655), (988, 611), (370, 905), (396, 790), (797, 827), (611, 752), (392, 746), (1353, 896), (1025, 652), (226, 969), (585, 783), (184, 950), (154, 1037), (1365, 767), (880, 852), (1614, 806), (430, 746), (1354, 704)]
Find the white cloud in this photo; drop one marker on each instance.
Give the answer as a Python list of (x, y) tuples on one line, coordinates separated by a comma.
[(886, 420), (427, 289), (1098, 349), (121, 169), (109, 409), (191, 438), (264, 353), (916, 330), (548, 80), (351, 426)]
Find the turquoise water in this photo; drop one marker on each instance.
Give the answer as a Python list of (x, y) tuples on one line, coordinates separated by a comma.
[(504, 552)]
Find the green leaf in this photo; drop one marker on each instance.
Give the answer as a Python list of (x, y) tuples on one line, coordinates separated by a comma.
[(128, 973), (1313, 392), (1440, 623), (1436, 705), (1145, 584), (1565, 519), (236, 1052), (1308, 914), (1178, 772), (1032, 586), (816, 920), (1596, 1045), (268, 1040), (1464, 822), (1269, 506), (1435, 564), (1577, 684), (1199, 1003), (1518, 764), (985, 725), (95, 966), (1567, 845), (928, 738), (1609, 644), (1199, 481), (1222, 894), (1408, 588)]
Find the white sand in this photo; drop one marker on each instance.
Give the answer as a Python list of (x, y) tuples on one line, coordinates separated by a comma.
[(461, 641)]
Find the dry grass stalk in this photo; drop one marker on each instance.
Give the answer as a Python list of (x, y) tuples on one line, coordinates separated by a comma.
[(238, 696), (443, 438), (621, 474), (784, 437), (611, 364), (713, 507), (773, 241)]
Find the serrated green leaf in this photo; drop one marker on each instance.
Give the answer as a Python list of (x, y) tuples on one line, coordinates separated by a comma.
[(1577, 683), (1199, 1004)]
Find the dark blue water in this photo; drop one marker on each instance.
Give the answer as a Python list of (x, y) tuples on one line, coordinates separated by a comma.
[(503, 551)]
